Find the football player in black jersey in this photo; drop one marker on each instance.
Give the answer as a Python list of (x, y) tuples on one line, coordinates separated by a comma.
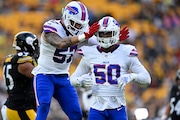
[(21, 103), (173, 108)]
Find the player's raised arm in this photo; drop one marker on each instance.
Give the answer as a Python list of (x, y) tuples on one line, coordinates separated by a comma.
[(55, 40)]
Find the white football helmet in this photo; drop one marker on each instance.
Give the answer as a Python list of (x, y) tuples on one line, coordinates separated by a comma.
[(75, 17), (109, 32)]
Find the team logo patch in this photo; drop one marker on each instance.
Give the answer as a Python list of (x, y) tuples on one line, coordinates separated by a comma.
[(72, 10)]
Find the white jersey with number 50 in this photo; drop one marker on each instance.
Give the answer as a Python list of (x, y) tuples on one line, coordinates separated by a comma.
[(106, 68)]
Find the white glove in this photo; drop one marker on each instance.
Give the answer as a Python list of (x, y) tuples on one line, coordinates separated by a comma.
[(85, 80), (125, 79), (75, 82)]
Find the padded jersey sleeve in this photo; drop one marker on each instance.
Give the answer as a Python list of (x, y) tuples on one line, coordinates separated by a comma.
[(135, 66), (51, 26), (23, 59), (92, 41), (83, 67)]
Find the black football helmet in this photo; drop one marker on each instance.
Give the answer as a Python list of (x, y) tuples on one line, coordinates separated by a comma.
[(26, 42)]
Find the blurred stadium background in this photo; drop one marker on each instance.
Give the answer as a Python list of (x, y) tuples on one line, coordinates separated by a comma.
[(154, 29)]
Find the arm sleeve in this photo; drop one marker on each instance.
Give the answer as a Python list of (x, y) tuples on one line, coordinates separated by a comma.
[(142, 75), (92, 41), (81, 69), (50, 26)]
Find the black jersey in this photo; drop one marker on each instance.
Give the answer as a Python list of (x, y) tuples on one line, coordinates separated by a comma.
[(19, 87), (175, 103)]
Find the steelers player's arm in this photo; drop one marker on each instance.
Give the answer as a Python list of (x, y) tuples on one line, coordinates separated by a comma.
[(25, 69)]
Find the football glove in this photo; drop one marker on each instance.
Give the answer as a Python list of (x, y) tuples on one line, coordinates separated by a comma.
[(124, 33), (125, 79), (85, 81), (92, 30)]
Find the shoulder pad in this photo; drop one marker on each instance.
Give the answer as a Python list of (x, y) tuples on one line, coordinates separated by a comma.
[(130, 50), (8, 58), (24, 59), (86, 50), (133, 53), (50, 26), (80, 52)]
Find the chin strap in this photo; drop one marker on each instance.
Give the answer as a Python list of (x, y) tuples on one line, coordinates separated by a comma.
[(67, 32)]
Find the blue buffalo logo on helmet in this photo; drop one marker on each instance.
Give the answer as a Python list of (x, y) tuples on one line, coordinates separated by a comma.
[(72, 10)]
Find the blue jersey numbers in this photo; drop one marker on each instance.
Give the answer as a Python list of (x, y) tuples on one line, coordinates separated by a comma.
[(64, 55), (106, 73)]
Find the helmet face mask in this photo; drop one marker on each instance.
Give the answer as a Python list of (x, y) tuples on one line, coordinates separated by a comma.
[(26, 42), (108, 33), (75, 17), (76, 25)]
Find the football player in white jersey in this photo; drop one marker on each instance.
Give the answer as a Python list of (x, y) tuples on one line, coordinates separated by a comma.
[(110, 66), (58, 44)]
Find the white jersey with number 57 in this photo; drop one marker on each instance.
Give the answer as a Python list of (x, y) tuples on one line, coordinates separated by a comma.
[(51, 59)]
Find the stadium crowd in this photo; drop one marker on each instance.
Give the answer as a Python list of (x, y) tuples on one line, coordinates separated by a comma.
[(154, 29)]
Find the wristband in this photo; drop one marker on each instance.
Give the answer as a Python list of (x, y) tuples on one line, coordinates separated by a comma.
[(81, 38)]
